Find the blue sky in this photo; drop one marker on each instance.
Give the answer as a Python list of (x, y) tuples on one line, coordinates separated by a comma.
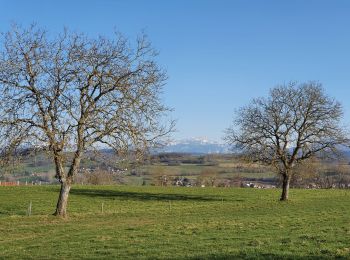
[(219, 54)]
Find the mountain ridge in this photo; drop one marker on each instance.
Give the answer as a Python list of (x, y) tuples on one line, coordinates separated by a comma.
[(196, 145)]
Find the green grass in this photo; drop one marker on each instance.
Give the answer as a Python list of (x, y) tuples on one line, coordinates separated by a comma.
[(174, 223)]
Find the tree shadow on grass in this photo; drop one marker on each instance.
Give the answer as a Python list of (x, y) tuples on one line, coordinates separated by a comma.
[(127, 195)]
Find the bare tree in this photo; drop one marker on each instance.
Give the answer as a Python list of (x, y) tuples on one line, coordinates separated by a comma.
[(208, 177), (73, 93), (293, 124)]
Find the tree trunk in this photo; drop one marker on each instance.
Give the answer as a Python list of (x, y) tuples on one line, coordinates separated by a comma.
[(61, 208), (66, 183), (285, 187)]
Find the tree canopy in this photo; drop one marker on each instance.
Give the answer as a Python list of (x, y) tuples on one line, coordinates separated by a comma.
[(71, 92), (292, 124)]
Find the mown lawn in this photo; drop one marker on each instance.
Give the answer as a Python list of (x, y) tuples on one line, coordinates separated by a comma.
[(174, 223)]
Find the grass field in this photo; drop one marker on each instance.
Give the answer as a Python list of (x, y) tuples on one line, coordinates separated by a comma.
[(174, 223)]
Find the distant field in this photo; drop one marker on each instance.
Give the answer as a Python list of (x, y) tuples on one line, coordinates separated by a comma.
[(174, 223), (225, 170), (39, 168)]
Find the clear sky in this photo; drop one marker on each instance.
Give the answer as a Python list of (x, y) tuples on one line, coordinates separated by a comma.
[(219, 54)]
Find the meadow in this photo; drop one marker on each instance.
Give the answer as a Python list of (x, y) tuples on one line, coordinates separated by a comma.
[(123, 222)]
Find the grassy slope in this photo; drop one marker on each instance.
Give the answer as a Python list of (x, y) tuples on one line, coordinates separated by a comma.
[(174, 223)]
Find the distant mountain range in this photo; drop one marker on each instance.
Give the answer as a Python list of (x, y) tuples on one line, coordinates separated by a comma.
[(201, 145), (196, 146)]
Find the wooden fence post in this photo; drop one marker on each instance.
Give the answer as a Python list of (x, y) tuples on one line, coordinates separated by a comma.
[(30, 208)]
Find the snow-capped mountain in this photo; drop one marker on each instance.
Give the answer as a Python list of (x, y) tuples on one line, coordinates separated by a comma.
[(198, 145)]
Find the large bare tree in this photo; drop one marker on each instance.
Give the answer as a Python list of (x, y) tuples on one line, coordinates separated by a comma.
[(70, 93), (294, 123)]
